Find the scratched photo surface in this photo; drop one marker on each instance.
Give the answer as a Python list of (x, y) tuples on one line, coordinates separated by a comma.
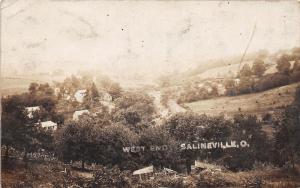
[(150, 93)]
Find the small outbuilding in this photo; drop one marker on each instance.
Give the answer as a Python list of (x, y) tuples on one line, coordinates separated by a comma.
[(79, 113), (31, 110), (48, 125), (144, 171), (80, 94)]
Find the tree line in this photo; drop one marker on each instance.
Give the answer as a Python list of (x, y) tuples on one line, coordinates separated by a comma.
[(250, 79)]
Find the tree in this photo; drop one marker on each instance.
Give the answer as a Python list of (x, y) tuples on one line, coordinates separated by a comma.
[(20, 131), (271, 81), (135, 110), (297, 96), (48, 103), (214, 90), (9, 125), (287, 142), (93, 139), (183, 127), (113, 88), (230, 87), (258, 68), (246, 85), (159, 157), (248, 128), (190, 127), (33, 88), (45, 90), (245, 71), (296, 53), (295, 75), (283, 64), (76, 141), (110, 143), (94, 91)]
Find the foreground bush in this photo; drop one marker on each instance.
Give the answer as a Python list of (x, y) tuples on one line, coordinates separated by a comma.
[(162, 181), (112, 178)]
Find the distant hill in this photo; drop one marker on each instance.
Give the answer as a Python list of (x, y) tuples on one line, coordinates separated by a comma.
[(228, 67)]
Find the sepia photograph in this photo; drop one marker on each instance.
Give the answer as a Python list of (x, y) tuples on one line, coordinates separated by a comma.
[(150, 94)]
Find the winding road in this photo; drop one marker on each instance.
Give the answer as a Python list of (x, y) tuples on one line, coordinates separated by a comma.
[(172, 106)]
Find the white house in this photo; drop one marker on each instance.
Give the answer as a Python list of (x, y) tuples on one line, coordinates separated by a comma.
[(146, 170), (79, 113), (204, 165), (79, 95), (48, 125), (31, 110)]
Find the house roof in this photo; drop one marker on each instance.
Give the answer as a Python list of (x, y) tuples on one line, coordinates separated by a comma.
[(32, 108), (169, 170), (45, 124), (80, 94), (199, 164), (145, 170), (78, 113)]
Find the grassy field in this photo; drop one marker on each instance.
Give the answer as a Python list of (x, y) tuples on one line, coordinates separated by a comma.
[(256, 103)]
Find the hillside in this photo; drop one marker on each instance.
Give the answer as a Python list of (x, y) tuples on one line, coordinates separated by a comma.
[(256, 103), (54, 174)]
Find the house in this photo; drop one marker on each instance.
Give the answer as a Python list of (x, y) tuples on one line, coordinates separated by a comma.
[(79, 113), (48, 125), (31, 110), (80, 94), (203, 166), (149, 172), (144, 171)]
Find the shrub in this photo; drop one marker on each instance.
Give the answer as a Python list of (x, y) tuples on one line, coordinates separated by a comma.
[(162, 181), (295, 76), (283, 64), (245, 85), (258, 67), (271, 81), (247, 128), (112, 178), (245, 71)]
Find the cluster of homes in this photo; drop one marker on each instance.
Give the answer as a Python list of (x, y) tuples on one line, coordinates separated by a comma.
[(47, 125), (79, 95), (104, 98)]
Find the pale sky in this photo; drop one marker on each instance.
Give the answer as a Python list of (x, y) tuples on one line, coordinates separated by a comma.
[(140, 36)]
